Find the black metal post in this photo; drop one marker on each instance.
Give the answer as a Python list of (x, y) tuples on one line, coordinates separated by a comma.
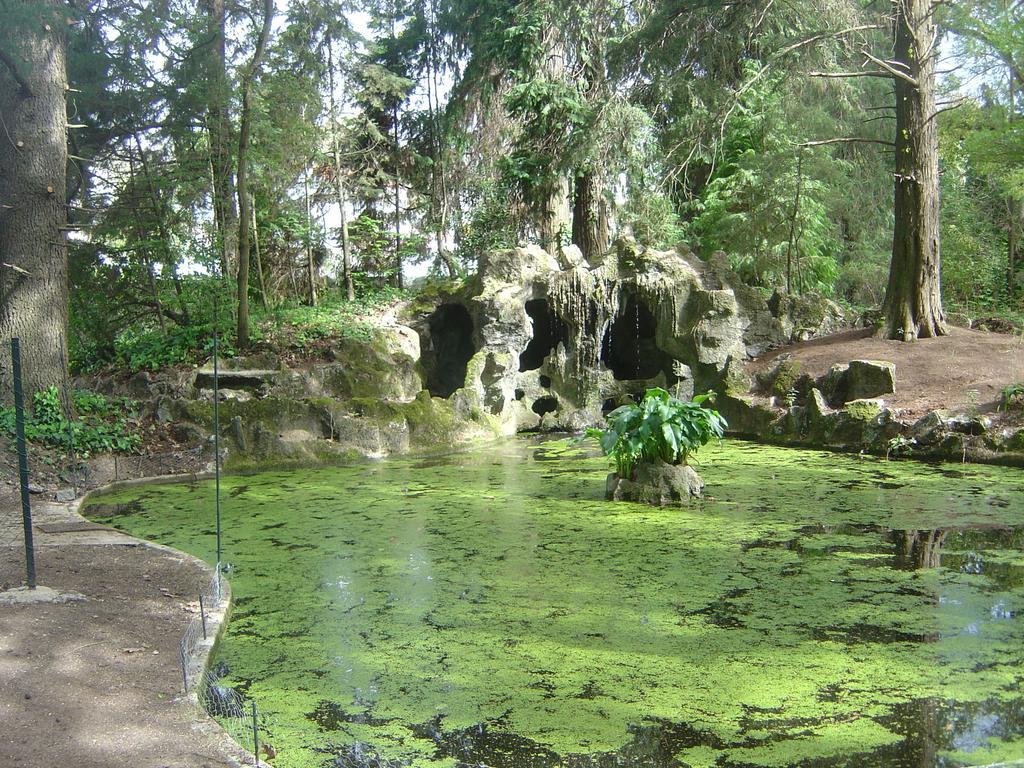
[(19, 422), (202, 614), (255, 738), (216, 429)]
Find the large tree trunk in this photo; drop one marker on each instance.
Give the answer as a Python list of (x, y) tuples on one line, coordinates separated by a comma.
[(244, 219), (244, 198), (310, 265), (913, 299), (555, 220), (590, 217), (219, 132), (33, 215)]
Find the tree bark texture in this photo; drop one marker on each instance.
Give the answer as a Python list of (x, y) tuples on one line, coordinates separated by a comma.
[(913, 299), (33, 213), (219, 131), (244, 197), (590, 217), (555, 219)]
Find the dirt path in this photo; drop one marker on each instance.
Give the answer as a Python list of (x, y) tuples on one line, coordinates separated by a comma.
[(962, 371), (95, 682)]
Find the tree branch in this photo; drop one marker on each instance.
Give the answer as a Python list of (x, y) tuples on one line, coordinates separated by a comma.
[(12, 66), (891, 69), (846, 140), (948, 107), (858, 73)]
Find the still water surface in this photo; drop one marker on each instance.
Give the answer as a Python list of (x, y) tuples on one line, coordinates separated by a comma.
[(490, 608)]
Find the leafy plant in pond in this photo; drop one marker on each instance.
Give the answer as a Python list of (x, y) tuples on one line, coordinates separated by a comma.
[(659, 428), (100, 427)]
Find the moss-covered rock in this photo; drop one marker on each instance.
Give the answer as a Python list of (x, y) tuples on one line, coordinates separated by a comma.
[(780, 380), (659, 484), (858, 380)]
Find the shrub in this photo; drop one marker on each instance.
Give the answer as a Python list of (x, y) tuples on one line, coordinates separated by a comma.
[(100, 427), (658, 429), (1011, 395)]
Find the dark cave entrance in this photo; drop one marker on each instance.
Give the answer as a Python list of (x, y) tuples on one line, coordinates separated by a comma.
[(451, 339), (629, 349), (548, 331)]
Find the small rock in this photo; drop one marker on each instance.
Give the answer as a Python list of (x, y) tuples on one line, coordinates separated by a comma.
[(570, 257), (969, 425), (929, 428), (65, 495), (35, 489)]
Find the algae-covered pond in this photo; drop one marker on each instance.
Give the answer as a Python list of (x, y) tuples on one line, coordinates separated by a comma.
[(491, 609)]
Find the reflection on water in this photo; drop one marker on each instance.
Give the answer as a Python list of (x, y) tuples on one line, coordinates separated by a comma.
[(919, 549), (491, 609)]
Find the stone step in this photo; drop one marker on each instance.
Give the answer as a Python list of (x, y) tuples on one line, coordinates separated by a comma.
[(248, 379)]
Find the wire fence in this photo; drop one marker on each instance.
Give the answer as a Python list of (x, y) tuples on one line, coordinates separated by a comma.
[(197, 635), (236, 714)]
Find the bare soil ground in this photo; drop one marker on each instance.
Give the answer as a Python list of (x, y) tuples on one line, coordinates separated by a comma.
[(964, 371), (96, 683)]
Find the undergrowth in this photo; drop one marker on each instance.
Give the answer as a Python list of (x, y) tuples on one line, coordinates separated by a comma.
[(101, 424), (143, 347)]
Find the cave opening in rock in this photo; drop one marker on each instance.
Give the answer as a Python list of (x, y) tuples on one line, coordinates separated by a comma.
[(451, 338), (629, 349), (545, 405), (548, 331)]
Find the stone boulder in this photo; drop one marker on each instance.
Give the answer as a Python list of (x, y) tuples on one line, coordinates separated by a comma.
[(858, 380), (808, 316), (658, 484), (780, 380)]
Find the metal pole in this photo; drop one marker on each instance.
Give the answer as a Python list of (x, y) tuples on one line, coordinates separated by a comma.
[(255, 738), (26, 505), (202, 614), (216, 427)]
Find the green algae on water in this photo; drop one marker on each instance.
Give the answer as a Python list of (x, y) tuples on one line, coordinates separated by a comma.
[(492, 608)]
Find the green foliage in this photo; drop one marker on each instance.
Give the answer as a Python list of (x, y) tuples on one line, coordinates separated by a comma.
[(298, 326), (653, 220), (766, 204), (490, 226), (148, 349), (102, 424), (1012, 395), (659, 428), (900, 446), (981, 200), (370, 242)]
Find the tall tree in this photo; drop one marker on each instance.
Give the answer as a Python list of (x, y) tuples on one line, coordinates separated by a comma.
[(913, 298), (219, 130), (33, 216), (244, 198)]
